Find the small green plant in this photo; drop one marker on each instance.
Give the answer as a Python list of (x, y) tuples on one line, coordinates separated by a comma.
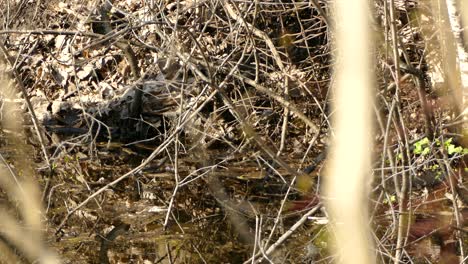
[(392, 199), (399, 156), (452, 149), (435, 168), (422, 147), (67, 159)]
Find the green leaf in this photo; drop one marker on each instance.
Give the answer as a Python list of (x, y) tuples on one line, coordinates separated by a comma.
[(399, 156), (451, 149), (392, 199), (425, 151), (424, 141), (419, 148), (448, 142)]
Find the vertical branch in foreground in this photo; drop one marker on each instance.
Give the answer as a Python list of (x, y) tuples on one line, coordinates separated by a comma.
[(456, 30), (21, 235), (403, 215), (464, 36), (347, 180), (450, 60)]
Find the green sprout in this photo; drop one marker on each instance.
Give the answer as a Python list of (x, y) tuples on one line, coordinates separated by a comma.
[(421, 147), (392, 199), (399, 156), (452, 149), (435, 168)]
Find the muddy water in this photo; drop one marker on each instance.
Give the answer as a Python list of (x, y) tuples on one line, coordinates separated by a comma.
[(200, 227)]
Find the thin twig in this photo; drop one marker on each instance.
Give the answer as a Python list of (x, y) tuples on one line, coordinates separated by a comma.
[(280, 100), (34, 119), (403, 220), (287, 234)]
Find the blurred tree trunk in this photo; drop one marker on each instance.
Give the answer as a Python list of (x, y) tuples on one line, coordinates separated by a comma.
[(347, 172), (455, 15), (447, 55)]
